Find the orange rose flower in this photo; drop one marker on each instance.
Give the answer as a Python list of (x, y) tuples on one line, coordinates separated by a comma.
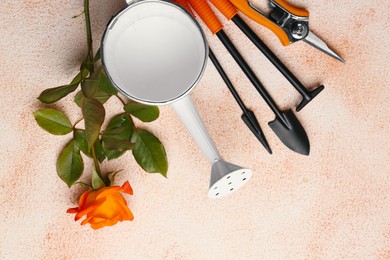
[(103, 207)]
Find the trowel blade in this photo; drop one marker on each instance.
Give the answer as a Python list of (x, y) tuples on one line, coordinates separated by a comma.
[(293, 135)]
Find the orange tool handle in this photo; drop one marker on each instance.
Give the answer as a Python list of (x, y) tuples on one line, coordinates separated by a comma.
[(244, 7), (206, 14), (184, 4), (228, 9), (225, 7), (292, 9)]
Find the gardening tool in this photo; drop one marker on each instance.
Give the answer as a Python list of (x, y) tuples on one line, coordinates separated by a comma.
[(230, 12), (248, 116), (155, 53), (289, 23), (286, 125)]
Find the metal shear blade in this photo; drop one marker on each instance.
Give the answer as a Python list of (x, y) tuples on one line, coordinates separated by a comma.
[(316, 42), (289, 23)]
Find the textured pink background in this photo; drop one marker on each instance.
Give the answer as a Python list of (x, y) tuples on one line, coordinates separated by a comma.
[(333, 204)]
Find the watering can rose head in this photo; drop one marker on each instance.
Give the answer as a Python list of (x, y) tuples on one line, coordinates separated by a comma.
[(104, 207)]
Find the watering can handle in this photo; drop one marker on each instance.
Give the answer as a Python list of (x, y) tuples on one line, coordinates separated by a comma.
[(190, 117)]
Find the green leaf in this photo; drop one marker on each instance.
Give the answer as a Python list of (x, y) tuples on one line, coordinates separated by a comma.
[(78, 98), (105, 84), (114, 144), (70, 164), (120, 127), (114, 148), (86, 65), (111, 179), (94, 113), (89, 87), (80, 76), (97, 182), (149, 152), (101, 96), (53, 121), (112, 154), (116, 135), (84, 73), (52, 95), (81, 140), (97, 56), (96, 74), (97, 86), (99, 150), (84, 185), (143, 112)]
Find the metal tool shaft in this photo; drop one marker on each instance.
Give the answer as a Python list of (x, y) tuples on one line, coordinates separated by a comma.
[(227, 80), (270, 56), (250, 74), (248, 117)]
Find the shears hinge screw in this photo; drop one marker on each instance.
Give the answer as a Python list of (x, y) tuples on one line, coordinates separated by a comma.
[(299, 30)]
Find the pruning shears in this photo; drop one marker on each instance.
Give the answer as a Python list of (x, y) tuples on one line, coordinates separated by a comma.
[(289, 23)]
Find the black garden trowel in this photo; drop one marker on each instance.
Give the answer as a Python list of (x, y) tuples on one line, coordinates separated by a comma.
[(291, 133)]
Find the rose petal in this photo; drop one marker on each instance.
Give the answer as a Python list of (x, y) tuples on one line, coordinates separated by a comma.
[(83, 198), (104, 224), (118, 196), (91, 198), (107, 210), (126, 212), (85, 211), (97, 220), (86, 220), (73, 210), (105, 192), (126, 188)]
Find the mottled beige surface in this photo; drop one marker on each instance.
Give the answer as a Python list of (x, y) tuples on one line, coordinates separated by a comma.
[(333, 204)]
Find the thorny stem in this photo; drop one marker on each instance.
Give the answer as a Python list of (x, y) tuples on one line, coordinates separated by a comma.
[(89, 32), (78, 15), (96, 162)]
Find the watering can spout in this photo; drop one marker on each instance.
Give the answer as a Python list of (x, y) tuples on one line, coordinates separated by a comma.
[(227, 178)]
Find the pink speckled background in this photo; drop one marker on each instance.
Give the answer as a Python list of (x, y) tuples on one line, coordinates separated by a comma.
[(334, 204)]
